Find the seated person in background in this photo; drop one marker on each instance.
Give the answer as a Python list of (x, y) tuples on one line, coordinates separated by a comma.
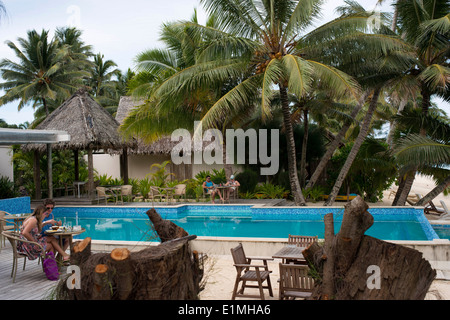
[(49, 220), (208, 185), (233, 184), (31, 230)]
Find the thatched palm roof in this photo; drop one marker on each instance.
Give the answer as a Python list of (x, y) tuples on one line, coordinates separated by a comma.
[(164, 145), (89, 125)]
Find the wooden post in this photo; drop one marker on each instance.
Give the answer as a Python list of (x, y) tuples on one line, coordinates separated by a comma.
[(77, 169), (49, 170), (90, 174), (37, 175)]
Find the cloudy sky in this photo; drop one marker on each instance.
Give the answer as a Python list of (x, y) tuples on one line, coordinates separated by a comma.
[(117, 29)]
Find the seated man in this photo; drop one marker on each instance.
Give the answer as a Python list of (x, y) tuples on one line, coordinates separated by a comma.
[(233, 184), (209, 187)]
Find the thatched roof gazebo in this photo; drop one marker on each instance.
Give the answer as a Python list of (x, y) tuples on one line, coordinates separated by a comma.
[(90, 128)]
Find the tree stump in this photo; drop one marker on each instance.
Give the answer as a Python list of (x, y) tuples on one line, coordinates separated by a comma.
[(354, 266), (166, 271)]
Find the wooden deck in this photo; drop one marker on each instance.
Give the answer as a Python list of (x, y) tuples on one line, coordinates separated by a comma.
[(31, 283)]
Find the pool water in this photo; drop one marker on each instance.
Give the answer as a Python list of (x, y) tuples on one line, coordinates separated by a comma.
[(132, 224), (443, 231)]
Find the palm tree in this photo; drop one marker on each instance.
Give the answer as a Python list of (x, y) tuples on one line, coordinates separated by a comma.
[(430, 153), (42, 72), (425, 26), (102, 72), (258, 44)]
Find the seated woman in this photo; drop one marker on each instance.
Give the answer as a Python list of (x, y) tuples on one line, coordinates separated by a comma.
[(208, 185), (233, 184), (31, 231)]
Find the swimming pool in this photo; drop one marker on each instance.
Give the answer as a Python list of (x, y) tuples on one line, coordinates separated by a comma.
[(132, 223), (442, 230)]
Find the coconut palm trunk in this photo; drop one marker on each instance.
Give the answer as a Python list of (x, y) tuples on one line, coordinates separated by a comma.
[(304, 147), (356, 146), (434, 193), (334, 145), (292, 159), (404, 192)]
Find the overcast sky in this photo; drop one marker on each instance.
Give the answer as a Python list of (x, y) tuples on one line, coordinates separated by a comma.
[(117, 29)]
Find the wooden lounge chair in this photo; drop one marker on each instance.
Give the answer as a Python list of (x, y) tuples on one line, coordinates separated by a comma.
[(446, 214), (295, 282), (246, 272)]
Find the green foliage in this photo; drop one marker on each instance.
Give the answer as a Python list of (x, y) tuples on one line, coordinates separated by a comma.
[(248, 180), (161, 175), (144, 187), (271, 191), (7, 188), (315, 193), (372, 171)]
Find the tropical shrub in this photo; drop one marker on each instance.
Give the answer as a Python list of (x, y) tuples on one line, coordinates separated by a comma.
[(271, 191), (248, 180), (7, 188)]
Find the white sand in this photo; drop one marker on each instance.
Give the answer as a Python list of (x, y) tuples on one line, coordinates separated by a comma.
[(220, 274)]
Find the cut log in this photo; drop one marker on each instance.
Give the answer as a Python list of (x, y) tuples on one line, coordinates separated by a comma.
[(167, 271), (120, 260), (80, 251), (354, 266), (102, 284), (166, 229)]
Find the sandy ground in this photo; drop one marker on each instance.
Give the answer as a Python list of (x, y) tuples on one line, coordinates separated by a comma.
[(220, 274)]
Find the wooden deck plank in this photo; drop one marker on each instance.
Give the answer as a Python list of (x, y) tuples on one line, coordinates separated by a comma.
[(31, 283)]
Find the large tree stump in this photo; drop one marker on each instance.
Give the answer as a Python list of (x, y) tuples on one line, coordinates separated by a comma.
[(166, 271), (166, 229), (352, 265)]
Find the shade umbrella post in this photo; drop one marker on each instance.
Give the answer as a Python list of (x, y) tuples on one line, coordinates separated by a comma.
[(37, 175), (90, 174), (50, 170)]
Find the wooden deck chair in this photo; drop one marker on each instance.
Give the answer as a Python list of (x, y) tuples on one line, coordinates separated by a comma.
[(430, 207), (295, 282), (300, 241), (246, 272)]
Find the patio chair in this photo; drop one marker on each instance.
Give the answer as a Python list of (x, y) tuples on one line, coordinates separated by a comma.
[(126, 191), (155, 193), (180, 191), (102, 193), (430, 207), (446, 214), (13, 237), (295, 282), (259, 274), (301, 241), (4, 226)]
